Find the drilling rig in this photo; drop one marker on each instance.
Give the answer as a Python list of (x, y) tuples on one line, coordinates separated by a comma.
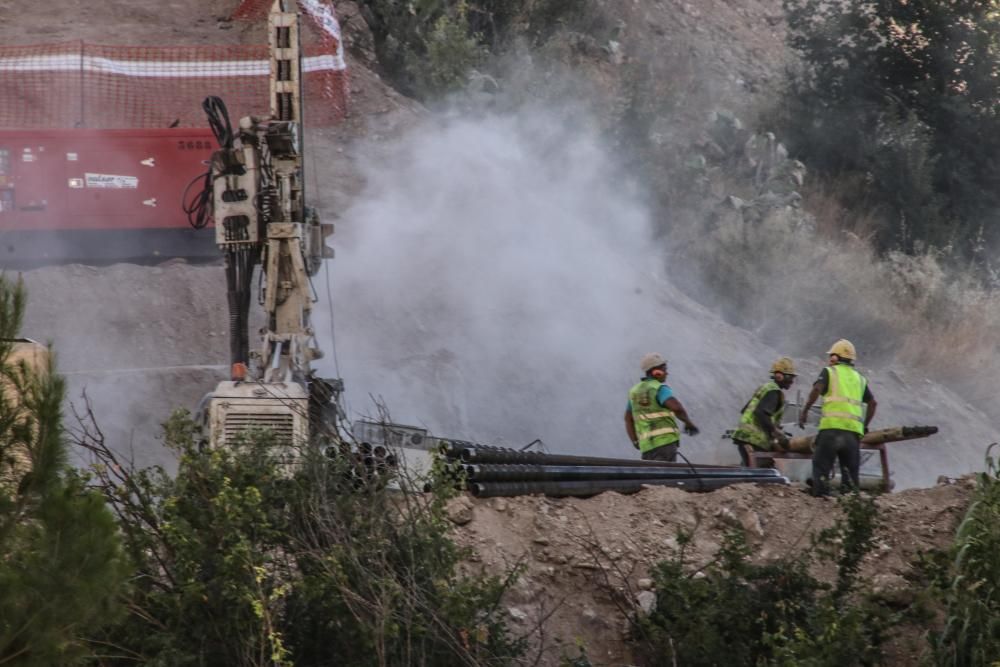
[(256, 193)]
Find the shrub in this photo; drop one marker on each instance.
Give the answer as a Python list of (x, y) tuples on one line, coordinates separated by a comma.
[(905, 94), (428, 47), (450, 51), (737, 612), (61, 566), (244, 559), (972, 590)]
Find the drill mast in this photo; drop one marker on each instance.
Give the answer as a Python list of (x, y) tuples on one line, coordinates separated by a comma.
[(258, 204)]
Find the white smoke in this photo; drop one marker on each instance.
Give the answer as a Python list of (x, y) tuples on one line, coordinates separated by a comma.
[(498, 281)]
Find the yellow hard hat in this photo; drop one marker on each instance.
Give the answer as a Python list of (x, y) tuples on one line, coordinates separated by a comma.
[(651, 361), (844, 349), (783, 365)]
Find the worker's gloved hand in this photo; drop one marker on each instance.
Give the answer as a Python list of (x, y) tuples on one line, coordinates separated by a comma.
[(780, 441), (691, 429)]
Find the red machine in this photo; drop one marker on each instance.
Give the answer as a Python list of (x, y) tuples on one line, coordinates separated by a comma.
[(101, 195)]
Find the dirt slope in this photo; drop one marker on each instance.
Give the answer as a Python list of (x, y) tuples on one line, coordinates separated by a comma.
[(584, 560)]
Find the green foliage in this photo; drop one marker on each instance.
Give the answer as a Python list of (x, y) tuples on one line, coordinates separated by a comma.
[(450, 51), (849, 541), (904, 94), (971, 635), (737, 612), (581, 659), (427, 47), (62, 564), (246, 558)]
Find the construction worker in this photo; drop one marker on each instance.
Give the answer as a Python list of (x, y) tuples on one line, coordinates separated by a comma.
[(760, 421), (843, 420), (652, 413)]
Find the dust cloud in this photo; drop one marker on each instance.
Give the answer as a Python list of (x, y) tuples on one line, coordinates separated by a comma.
[(498, 281)]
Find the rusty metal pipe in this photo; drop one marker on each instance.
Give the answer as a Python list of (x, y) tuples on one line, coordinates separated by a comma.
[(804, 443)]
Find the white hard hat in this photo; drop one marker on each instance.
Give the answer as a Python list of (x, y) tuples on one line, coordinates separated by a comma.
[(651, 361)]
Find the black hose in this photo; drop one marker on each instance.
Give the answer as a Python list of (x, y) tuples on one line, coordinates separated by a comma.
[(198, 208), (239, 274), (218, 121)]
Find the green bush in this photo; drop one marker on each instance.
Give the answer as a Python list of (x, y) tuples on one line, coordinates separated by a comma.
[(903, 94), (427, 47), (61, 566), (971, 635), (737, 612), (450, 51), (246, 559)]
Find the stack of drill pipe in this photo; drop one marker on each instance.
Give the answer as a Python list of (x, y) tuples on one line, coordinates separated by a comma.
[(495, 471), (481, 454), (804, 443)]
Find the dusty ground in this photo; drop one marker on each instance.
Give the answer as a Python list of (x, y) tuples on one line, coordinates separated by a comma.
[(584, 559)]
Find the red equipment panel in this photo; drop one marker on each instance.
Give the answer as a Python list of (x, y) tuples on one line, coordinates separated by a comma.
[(100, 195)]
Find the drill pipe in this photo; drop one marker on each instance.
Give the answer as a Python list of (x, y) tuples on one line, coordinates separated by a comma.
[(531, 473), (804, 443), (453, 449), (593, 487), (478, 454)]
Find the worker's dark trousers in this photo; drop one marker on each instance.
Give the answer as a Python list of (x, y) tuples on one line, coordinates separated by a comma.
[(835, 445), (741, 447), (666, 453)]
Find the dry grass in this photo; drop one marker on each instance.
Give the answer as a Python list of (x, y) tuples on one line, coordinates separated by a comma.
[(824, 200), (804, 274)]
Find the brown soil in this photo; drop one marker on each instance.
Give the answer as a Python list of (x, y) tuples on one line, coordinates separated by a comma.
[(583, 559)]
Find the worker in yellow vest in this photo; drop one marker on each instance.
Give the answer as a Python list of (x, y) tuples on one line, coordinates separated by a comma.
[(848, 409), (760, 420), (652, 413)]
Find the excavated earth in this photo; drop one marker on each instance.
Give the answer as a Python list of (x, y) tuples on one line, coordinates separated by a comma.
[(584, 561)]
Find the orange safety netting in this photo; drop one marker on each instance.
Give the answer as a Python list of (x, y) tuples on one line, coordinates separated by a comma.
[(76, 84)]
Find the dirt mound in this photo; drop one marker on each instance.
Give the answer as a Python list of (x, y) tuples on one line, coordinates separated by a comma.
[(586, 561)]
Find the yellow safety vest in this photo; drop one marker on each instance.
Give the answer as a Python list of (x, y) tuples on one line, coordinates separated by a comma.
[(749, 431), (655, 425), (842, 403)]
